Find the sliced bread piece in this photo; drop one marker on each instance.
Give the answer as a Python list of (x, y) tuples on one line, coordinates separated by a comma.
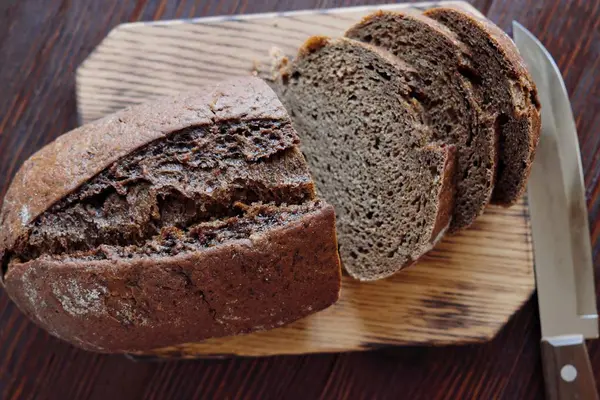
[(508, 91), (170, 222), (364, 137), (451, 106)]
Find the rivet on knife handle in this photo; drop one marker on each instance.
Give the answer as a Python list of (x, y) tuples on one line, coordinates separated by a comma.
[(567, 369)]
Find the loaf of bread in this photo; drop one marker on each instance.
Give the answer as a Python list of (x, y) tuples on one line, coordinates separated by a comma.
[(507, 91), (175, 221), (364, 135), (451, 99)]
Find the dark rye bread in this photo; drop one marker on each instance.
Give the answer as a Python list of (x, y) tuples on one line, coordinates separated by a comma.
[(276, 267), (174, 221), (449, 98), (508, 91), (372, 156)]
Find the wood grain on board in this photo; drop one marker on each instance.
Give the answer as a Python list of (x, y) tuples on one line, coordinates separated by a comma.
[(141, 61), (464, 291)]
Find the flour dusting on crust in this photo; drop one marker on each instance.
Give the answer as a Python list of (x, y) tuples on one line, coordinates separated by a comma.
[(128, 312), (24, 214), (31, 292), (78, 300)]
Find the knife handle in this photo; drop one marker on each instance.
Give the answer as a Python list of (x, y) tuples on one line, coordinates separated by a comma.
[(567, 369)]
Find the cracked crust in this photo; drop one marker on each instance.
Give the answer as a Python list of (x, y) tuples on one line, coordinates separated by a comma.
[(73, 158), (121, 305), (220, 272)]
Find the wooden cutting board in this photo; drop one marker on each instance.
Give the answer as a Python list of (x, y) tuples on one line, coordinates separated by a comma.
[(463, 291)]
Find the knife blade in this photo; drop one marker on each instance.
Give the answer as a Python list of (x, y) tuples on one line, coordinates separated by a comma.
[(561, 241)]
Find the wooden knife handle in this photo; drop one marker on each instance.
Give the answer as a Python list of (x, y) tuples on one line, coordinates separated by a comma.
[(567, 370)]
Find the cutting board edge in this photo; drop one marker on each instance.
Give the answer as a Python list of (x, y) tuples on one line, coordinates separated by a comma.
[(166, 354)]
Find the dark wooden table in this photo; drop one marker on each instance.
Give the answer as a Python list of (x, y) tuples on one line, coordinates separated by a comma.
[(41, 44)]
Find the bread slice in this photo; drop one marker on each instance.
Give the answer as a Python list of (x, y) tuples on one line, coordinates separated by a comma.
[(372, 155), (450, 101), (508, 91), (170, 222)]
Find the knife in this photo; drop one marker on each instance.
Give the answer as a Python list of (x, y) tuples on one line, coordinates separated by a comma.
[(561, 242)]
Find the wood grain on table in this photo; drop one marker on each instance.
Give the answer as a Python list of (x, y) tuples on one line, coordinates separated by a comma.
[(41, 44)]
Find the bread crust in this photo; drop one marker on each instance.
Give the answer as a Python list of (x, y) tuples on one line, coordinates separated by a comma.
[(125, 305), (124, 302), (446, 195), (525, 107), (62, 166)]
